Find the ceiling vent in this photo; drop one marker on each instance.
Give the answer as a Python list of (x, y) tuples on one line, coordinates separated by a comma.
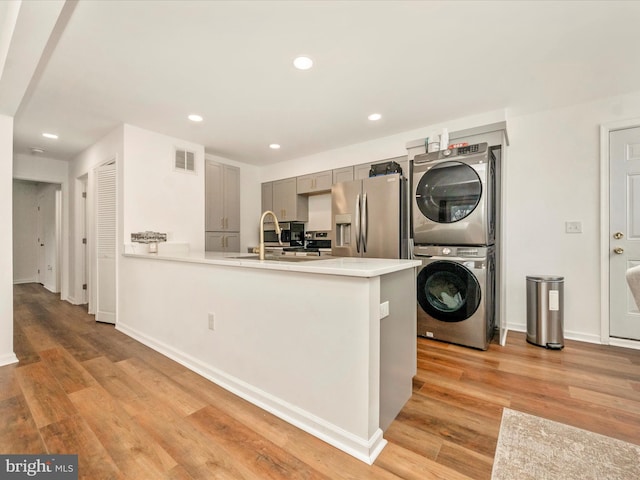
[(185, 161)]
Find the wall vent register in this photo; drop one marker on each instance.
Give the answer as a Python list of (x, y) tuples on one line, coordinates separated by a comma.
[(184, 160)]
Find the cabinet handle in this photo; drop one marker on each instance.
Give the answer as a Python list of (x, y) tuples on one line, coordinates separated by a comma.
[(222, 222)]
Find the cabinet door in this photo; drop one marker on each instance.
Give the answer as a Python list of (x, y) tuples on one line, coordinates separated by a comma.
[(343, 175), (267, 196), (284, 199), (214, 241), (323, 181), (232, 242), (362, 171), (314, 182), (214, 209), (304, 184), (231, 201)]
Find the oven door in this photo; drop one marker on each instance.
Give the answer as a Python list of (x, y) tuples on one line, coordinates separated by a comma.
[(448, 291)]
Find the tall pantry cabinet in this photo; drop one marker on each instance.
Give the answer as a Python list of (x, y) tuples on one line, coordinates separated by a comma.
[(222, 207)]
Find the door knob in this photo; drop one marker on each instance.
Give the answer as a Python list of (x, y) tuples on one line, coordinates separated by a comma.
[(618, 235), (618, 250)]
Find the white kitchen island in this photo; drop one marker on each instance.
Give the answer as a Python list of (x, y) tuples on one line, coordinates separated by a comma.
[(303, 340)]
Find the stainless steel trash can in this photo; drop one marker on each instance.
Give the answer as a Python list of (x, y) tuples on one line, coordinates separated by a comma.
[(545, 311)]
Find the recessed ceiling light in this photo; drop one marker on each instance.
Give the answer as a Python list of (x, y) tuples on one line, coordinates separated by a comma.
[(195, 118), (36, 150), (303, 63), (274, 146), (50, 135), (374, 116)]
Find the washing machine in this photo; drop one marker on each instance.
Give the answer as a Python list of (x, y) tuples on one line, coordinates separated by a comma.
[(454, 196), (456, 291)]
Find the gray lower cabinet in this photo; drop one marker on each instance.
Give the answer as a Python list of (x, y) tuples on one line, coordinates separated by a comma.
[(222, 207), (222, 242)]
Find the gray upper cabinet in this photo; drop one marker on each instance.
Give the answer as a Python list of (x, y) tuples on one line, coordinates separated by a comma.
[(267, 196), (361, 171), (286, 203), (344, 174), (222, 198), (315, 182)]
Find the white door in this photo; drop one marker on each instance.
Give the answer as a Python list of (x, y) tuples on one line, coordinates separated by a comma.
[(624, 230), (106, 243)]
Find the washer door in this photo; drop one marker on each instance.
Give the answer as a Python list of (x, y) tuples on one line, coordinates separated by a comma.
[(448, 192), (448, 291)]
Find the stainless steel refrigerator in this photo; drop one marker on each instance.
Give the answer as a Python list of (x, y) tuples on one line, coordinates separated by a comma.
[(369, 217)]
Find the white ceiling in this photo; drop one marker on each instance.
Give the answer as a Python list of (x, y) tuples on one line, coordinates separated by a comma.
[(151, 63)]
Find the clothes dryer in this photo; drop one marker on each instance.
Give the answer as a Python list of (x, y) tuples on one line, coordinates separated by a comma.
[(454, 196), (456, 292)]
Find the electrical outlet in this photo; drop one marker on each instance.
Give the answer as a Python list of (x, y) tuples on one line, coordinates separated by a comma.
[(384, 310), (211, 322), (573, 227)]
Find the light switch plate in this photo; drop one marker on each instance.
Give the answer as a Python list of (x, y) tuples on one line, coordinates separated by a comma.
[(384, 310), (573, 227)]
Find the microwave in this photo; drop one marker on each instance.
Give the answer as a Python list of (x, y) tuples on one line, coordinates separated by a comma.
[(291, 234)]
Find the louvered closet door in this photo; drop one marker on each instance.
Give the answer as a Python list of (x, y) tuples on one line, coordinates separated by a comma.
[(106, 243)]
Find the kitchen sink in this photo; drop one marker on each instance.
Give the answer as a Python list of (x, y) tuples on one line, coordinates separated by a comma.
[(282, 258)]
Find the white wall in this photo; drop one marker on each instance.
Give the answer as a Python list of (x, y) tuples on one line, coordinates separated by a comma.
[(552, 176), (155, 196), (108, 148), (6, 248), (41, 169), (25, 252), (378, 149)]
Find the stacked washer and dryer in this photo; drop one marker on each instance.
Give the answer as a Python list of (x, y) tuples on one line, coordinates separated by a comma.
[(454, 232)]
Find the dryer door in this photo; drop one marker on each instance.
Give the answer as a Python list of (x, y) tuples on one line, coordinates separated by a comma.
[(448, 192), (448, 291)]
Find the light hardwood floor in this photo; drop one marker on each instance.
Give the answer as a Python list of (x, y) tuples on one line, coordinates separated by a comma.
[(130, 413)]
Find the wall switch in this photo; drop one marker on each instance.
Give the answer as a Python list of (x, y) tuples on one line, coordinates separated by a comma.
[(384, 309), (573, 227), (211, 323)]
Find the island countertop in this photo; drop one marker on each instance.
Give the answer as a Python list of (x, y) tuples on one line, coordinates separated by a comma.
[(344, 266)]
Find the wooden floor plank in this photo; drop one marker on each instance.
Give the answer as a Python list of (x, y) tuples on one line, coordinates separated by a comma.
[(161, 385), (125, 441), (66, 370), (47, 400), (18, 431), (73, 436), (263, 457)]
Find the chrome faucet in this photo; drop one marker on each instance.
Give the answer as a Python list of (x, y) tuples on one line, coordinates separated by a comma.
[(261, 245)]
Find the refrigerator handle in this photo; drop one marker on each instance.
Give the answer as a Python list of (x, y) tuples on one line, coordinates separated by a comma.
[(364, 223), (357, 222)]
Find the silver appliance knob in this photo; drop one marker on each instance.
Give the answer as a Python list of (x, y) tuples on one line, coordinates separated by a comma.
[(446, 251)]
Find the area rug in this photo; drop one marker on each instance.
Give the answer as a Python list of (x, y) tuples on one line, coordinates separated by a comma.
[(533, 448)]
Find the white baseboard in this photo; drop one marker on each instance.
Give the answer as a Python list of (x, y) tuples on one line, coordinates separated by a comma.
[(19, 281), (580, 337), (366, 450), (623, 342), (8, 359)]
